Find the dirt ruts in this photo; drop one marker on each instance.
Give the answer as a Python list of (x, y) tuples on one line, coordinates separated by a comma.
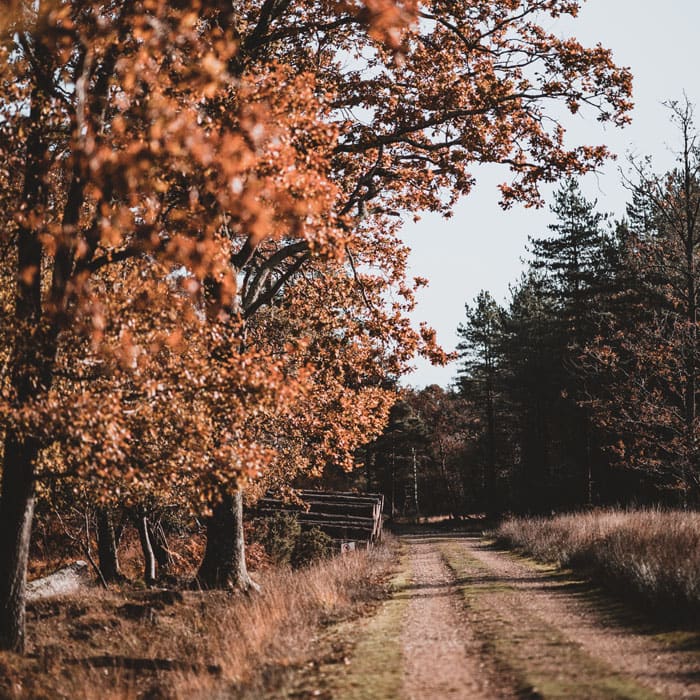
[(439, 651), (468, 621), (614, 657)]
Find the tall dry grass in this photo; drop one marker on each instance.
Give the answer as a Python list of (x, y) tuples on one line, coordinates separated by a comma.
[(248, 640), (258, 636), (653, 554)]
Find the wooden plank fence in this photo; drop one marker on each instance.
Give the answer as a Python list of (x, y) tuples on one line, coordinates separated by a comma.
[(346, 517)]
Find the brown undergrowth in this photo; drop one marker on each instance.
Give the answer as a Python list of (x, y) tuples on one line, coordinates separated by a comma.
[(652, 554), (129, 643)]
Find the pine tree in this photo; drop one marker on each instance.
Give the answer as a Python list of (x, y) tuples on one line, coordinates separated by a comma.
[(532, 354), (405, 437), (577, 262), (572, 260), (480, 376)]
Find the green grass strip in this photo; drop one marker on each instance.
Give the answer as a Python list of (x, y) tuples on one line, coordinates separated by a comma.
[(376, 667), (541, 661)]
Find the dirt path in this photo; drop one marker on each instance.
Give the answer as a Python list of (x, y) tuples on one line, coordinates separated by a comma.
[(470, 622), (440, 659), (562, 637)]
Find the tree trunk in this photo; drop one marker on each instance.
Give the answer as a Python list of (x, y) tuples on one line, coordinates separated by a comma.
[(16, 513), (161, 550), (31, 369), (107, 544), (588, 459), (224, 564), (149, 560), (492, 507)]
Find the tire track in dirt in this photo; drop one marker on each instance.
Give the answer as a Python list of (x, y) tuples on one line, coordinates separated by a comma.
[(469, 622), (440, 655), (418, 645), (561, 638)]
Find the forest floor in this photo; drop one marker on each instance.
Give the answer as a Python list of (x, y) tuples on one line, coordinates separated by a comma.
[(433, 615), (467, 620), (132, 643)]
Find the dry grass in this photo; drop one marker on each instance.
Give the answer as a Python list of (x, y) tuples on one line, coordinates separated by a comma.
[(216, 644), (654, 554)]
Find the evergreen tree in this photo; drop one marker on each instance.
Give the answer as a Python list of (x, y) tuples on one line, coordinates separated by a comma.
[(480, 376), (533, 357), (650, 355), (573, 260), (578, 262), (405, 438)]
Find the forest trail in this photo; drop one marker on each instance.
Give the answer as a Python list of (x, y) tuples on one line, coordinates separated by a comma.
[(438, 652), (469, 621)]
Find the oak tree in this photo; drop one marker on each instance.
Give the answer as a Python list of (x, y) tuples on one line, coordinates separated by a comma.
[(187, 135)]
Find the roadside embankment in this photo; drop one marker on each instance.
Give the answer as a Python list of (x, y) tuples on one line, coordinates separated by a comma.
[(652, 554)]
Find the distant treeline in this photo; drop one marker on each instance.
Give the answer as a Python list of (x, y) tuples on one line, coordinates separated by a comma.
[(583, 389)]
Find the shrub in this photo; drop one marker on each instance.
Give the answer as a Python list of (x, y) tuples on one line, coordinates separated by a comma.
[(311, 546), (279, 537)]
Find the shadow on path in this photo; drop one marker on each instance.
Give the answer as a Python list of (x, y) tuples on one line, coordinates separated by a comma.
[(617, 607)]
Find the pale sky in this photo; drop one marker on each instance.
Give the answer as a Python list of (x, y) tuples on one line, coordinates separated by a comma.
[(481, 246)]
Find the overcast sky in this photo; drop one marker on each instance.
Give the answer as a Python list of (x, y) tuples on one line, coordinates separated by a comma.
[(481, 247)]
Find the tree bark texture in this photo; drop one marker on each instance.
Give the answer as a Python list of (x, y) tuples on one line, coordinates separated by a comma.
[(149, 560), (31, 368), (16, 513), (107, 546), (161, 551), (224, 564)]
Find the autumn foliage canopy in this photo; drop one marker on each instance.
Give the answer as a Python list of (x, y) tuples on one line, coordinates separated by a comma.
[(202, 277)]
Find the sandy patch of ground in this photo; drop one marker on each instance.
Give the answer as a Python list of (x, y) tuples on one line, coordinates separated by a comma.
[(440, 659)]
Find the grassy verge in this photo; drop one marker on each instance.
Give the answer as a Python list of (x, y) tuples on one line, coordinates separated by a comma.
[(377, 665), (134, 644), (652, 554), (530, 654)]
